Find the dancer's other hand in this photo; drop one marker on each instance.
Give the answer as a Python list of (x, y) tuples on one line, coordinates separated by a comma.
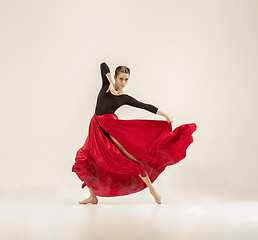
[(169, 119), (112, 89), (163, 114)]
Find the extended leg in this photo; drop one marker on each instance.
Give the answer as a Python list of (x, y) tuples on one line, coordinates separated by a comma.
[(127, 154), (146, 179)]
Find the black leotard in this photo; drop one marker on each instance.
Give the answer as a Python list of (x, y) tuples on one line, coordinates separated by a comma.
[(109, 103)]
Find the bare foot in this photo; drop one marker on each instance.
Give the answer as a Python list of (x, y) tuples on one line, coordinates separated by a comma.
[(156, 195), (91, 199)]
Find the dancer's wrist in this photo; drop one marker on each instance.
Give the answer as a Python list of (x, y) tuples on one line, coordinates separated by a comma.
[(109, 77)]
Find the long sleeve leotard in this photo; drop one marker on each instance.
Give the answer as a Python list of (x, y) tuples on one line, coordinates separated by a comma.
[(109, 103)]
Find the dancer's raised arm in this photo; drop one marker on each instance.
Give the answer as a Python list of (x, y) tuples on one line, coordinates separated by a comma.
[(104, 69)]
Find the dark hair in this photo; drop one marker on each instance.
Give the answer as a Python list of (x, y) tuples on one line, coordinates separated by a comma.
[(122, 69)]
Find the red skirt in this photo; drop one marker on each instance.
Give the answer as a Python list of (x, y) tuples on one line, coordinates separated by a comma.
[(108, 172)]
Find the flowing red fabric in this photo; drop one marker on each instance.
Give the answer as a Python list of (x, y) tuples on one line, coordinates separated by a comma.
[(108, 172)]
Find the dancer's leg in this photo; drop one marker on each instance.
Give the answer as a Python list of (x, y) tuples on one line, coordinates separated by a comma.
[(91, 192), (91, 199), (146, 179), (153, 191)]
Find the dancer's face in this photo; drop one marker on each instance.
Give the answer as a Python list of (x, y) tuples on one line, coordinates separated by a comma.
[(121, 80)]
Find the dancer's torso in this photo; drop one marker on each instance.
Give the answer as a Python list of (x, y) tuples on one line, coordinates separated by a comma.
[(109, 103)]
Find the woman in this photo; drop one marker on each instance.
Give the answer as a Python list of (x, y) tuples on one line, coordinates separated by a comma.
[(121, 157)]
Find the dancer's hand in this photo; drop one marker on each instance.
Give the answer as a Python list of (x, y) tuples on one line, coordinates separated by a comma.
[(112, 89), (169, 119)]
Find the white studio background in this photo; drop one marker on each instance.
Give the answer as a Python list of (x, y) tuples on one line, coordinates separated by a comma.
[(195, 60)]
